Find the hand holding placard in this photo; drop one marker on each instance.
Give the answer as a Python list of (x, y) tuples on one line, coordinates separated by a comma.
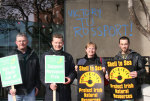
[(10, 73), (54, 71), (68, 80), (13, 92), (53, 86)]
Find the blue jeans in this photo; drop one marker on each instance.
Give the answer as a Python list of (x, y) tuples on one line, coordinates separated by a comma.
[(125, 100), (28, 97)]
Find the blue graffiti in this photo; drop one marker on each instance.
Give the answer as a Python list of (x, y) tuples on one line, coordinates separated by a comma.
[(82, 13), (85, 21), (104, 30), (84, 16)]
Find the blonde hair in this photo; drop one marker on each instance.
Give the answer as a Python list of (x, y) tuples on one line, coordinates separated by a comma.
[(89, 44)]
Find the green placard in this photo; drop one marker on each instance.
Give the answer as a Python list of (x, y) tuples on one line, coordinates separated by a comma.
[(10, 71), (54, 69)]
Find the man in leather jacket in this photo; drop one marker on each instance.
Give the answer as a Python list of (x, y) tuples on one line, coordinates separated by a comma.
[(30, 71), (63, 91), (138, 63)]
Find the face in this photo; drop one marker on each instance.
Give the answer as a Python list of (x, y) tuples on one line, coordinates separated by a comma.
[(90, 51), (124, 45), (57, 43), (21, 42)]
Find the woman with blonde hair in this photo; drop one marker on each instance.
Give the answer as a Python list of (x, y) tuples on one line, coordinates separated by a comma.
[(91, 57)]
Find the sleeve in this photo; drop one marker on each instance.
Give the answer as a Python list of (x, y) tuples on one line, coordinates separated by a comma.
[(38, 82), (42, 71), (73, 73), (140, 66), (103, 62)]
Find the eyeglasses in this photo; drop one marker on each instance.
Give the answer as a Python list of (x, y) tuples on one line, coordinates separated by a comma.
[(22, 41)]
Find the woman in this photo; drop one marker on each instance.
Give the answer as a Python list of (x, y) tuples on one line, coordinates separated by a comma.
[(91, 58)]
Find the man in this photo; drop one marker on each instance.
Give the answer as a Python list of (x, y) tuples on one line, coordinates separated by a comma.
[(30, 71), (138, 63), (63, 91)]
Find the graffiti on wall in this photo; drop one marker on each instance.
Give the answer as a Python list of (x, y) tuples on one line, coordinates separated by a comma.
[(84, 16)]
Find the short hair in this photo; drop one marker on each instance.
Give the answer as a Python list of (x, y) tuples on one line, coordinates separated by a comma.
[(21, 35), (124, 38), (57, 36), (90, 43)]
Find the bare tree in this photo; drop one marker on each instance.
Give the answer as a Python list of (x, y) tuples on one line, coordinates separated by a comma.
[(144, 30), (44, 15)]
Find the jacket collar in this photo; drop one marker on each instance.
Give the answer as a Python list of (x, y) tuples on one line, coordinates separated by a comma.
[(59, 52), (93, 58), (130, 52), (29, 51)]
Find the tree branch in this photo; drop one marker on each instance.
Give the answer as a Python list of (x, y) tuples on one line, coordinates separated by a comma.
[(136, 20), (146, 13)]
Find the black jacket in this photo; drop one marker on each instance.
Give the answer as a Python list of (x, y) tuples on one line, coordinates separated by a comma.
[(30, 71), (138, 65), (63, 92), (138, 62), (89, 61)]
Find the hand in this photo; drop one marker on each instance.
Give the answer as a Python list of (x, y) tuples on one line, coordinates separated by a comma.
[(68, 80), (12, 92), (36, 91), (76, 68), (53, 86), (106, 76), (104, 70), (133, 74)]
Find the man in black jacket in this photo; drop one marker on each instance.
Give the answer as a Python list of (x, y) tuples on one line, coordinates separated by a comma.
[(30, 71), (138, 62), (63, 91)]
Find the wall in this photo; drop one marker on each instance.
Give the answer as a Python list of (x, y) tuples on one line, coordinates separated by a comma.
[(104, 25)]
